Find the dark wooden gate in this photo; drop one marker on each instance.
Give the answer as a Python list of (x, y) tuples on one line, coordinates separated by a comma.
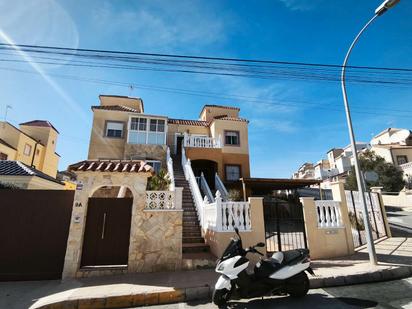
[(107, 232), (284, 223), (33, 233)]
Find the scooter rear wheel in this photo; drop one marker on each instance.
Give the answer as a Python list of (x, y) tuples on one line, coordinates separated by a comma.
[(298, 286), (221, 297)]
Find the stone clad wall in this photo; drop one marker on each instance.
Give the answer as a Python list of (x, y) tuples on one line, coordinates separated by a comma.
[(146, 152), (158, 241), (155, 236)]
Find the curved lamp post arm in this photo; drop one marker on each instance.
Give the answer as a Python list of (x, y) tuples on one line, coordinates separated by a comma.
[(359, 179)]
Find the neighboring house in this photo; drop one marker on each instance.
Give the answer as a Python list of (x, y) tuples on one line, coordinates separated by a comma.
[(336, 167), (395, 145), (68, 178), (23, 176), (217, 142), (33, 143)]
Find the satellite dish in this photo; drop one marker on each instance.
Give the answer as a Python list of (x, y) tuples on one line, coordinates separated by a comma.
[(371, 176)]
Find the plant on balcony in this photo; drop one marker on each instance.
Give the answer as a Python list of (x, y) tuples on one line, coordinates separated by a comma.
[(159, 182), (233, 195)]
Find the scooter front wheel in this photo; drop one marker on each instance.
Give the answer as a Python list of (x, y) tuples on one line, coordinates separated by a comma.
[(298, 286), (221, 297)]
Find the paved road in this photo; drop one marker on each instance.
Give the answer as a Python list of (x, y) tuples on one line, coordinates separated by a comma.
[(400, 221), (391, 294)]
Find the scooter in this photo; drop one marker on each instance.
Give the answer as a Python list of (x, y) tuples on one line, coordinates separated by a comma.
[(283, 273)]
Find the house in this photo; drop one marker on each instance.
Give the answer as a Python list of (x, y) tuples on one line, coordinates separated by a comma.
[(395, 145), (33, 144), (305, 171), (216, 142)]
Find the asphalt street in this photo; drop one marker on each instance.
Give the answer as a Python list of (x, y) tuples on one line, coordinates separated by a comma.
[(400, 221), (390, 294)]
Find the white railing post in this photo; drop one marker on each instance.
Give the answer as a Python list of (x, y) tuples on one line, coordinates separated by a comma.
[(328, 214), (169, 163), (219, 213), (221, 187), (178, 197)]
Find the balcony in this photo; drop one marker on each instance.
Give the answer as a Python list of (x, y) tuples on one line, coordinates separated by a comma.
[(201, 141), (407, 167)]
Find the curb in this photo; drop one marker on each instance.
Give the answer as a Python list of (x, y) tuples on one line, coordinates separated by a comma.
[(205, 292)]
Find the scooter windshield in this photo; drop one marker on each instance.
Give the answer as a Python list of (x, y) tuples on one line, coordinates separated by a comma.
[(234, 248)]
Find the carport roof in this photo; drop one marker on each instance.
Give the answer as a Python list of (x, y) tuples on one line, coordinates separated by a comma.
[(278, 183), (120, 166)]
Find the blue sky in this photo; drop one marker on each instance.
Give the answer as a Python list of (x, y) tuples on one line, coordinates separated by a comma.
[(310, 120)]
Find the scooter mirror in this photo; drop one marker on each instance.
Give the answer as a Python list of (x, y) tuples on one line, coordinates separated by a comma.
[(260, 244), (237, 231)]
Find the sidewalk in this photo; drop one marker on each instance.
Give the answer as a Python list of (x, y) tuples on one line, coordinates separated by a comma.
[(394, 255)]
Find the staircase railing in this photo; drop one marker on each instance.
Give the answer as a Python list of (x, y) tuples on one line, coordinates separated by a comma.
[(169, 162), (194, 188), (221, 187), (205, 188)]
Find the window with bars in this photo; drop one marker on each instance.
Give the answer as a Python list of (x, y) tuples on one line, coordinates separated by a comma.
[(401, 159), (232, 138), (232, 172)]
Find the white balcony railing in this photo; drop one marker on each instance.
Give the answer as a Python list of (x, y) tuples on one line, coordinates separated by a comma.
[(221, 187), (198, 141), (406, 167), (225, 216), (328, 213)]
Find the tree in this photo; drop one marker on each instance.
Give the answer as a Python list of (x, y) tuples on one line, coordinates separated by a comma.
[(159, 182), (389, 176)]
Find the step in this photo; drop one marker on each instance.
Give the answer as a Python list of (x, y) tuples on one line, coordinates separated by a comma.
[(195, 248), (192, 234), (190, 240), (198, 260)]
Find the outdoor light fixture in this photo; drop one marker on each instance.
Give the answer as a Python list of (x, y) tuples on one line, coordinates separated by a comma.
[(386, 5)]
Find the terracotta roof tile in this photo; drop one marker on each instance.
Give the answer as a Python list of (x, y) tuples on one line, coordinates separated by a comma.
[(17, 168), (188, 122), (121, 166), (222, 106), (224, 117), (119, 108), (39, 123)]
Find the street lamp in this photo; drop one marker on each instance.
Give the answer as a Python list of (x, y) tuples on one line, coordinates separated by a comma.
[(386, 5)]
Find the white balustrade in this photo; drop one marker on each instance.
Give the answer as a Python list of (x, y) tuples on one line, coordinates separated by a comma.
[(205, 188), (221, 187), (329, 215), (169, 163), (160, 200), (406, 166), (199, 141)]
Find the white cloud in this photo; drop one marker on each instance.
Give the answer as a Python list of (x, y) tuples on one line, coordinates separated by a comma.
[(301, 5), (154, 24)]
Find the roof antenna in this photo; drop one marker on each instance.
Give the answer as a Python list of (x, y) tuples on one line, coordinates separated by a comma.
[(131, 88), (5, 112)]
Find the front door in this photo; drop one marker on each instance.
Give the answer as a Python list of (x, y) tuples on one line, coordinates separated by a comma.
[(179, 142), (107, 232)]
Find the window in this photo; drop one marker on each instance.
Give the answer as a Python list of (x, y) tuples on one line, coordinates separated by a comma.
[(232, 172), (401, 159), (147, 131), (27, 150), (3, 156), (157, 165), (232, 138), (114, 129)]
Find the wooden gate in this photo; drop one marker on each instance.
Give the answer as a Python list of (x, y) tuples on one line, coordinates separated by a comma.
[(355, 211), (107, 232), (284, 223), (33, 233)]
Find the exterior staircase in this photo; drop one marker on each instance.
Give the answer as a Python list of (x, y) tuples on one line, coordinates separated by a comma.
[(192, 241)]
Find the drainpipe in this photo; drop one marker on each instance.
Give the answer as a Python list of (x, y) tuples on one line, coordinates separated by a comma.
[(34, 153)]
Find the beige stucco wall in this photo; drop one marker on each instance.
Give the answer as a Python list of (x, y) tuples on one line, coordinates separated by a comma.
[(155, 236), (403, 199), (31, 182), (218, 241), (218, 127), (135, 103), (209, 112), (389, 154), (11, 153), (326, 243)]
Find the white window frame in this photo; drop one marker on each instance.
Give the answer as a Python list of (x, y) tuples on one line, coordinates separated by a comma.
[(147, 131), (25, 152), (116, 123), (155, 161)]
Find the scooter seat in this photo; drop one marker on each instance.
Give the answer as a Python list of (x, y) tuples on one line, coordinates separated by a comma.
[(291, 255)]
